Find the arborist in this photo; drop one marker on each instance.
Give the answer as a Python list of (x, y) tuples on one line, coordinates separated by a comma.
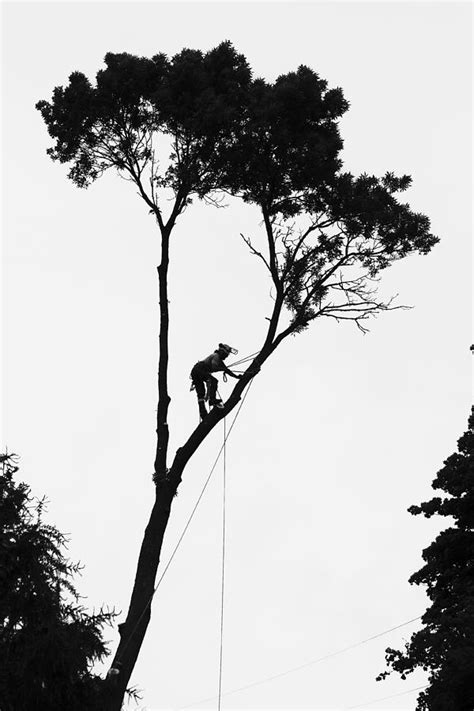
[(201, 376)]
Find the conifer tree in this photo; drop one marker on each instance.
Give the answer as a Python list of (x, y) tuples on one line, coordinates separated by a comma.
[(445, 645), (48, 641)]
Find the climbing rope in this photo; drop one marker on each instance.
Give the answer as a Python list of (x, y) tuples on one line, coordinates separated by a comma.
[(243, 360), (114, 670), (222, 566)]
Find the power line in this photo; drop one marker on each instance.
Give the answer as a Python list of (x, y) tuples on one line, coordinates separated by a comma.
[(305, 665), (385, 698)]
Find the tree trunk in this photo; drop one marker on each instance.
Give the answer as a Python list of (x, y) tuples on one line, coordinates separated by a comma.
[(167, 481), (132, 632), (162, 430)]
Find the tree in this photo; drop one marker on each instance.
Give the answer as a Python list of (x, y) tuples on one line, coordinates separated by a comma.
[(445, 644), (327, 235), (48, 642)]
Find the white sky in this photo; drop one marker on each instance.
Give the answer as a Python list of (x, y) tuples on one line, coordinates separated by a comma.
[(340, 433)]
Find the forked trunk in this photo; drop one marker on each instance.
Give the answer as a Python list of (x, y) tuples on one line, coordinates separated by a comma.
[(133, 630)]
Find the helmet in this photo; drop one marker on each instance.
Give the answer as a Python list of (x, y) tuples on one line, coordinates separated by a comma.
[(227, 349)]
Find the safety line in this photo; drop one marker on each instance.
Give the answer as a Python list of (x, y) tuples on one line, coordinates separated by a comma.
[(223, 567), (243, 360), (186, 526), (303, 666), (385, 698)]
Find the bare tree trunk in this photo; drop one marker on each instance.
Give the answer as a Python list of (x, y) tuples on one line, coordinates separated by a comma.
[(167, 481), (162, 430), (132, 631)]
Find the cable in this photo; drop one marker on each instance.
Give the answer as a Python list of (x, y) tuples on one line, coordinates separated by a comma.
[(303, 666), (243, 360), (186, 526), (385, 698), (223, 570)]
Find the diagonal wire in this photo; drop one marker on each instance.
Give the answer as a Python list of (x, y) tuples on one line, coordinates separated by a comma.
[(385, 698), (304, 666)]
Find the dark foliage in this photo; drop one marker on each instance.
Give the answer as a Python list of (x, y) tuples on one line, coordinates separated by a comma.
[(273, 144), (48, 642), (194, 98), (445, 644), (289, 143)]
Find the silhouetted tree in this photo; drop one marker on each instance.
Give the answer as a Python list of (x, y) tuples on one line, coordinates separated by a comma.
[(326, 234), (445, 644), (48, 642)]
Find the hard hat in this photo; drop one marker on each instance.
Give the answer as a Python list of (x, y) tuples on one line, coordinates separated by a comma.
[(228, 349)]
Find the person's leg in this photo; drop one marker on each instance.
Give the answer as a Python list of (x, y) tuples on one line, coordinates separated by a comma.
[(212, 389), (199, 384), (200, 388), (202, 408)]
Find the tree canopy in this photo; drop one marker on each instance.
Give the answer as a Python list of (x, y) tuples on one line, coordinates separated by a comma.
[(48, 641), (276, 145), (445, 644)]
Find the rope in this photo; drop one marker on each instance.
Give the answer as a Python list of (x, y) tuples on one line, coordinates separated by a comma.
[(304, 666), (243, 360), (223, 569), (186, 526)]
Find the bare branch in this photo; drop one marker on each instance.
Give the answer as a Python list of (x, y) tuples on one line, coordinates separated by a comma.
[(358, 312), (215, 201), (255, 251)]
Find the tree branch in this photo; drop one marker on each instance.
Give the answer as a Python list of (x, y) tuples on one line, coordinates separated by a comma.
[(255, 251), (271, 251)]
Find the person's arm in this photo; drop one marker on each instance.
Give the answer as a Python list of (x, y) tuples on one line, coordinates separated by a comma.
[(229, 372)]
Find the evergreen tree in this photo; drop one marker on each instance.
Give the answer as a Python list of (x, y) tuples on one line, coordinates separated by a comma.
[(48, 641), (445, 644)]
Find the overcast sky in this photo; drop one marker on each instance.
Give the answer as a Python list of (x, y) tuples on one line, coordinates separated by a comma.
[(340, 433)]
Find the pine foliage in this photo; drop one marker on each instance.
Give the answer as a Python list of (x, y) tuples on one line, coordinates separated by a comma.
[(445, 645), (48, 641)]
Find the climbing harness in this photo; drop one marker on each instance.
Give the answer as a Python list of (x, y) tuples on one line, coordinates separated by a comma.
[(228, 349), (208, 391)]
